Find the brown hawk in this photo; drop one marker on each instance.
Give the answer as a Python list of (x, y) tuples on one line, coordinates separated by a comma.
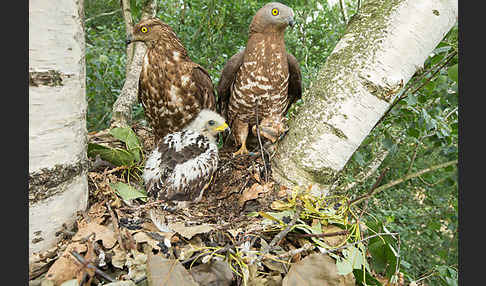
[(180, 168), (172, 88), (262, 77)]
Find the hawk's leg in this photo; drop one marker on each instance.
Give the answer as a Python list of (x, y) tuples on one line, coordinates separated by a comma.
[(240, 130), (271, 128)]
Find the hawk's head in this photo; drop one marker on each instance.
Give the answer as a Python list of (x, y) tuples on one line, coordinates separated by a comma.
[(151, 31), (209, 124), (273, 16)]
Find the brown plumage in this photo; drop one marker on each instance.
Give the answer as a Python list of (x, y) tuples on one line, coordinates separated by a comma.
[(172, 88), (263, 74)]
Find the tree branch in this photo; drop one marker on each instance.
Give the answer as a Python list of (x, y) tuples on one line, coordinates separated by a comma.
[(343, 11), (102, 14), (357, 242), (122, 108), (366, 172), (406, 178)]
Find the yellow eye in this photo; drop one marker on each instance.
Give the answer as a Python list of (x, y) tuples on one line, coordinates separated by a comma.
[(144, 29), (274, 11)]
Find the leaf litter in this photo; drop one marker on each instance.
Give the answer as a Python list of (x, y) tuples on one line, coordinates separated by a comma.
[(245, 231)]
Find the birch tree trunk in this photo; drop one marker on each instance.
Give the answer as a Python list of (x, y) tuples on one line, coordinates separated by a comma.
[(382, 48), (58, 185)]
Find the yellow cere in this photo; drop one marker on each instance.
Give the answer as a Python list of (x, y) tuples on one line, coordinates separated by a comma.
[(222, 127), (274, 11)]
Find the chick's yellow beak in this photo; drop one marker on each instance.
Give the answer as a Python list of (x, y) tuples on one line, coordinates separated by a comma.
[(222, 127)]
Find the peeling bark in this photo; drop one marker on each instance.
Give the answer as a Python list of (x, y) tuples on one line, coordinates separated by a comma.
[(44, 183), (57, 119), (384, 44)]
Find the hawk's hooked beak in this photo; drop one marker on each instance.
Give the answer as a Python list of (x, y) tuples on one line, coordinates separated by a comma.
[(291, 21), (129, 39), (222, 127)]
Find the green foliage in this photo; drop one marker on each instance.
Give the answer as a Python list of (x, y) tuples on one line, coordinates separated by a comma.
[(212, 31), (420, 131), (127, 156), (128, 192)]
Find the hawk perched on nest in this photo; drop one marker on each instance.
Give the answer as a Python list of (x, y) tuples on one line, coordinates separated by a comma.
[(262, 77), (180, 168), (172, 88)]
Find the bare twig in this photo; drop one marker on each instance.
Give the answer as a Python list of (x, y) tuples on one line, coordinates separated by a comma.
[(343, 11), (329, 234), (260, 142), (357, 242), (375, 185), (281, 234), (413, 157), (368, 171), (117, 228), (102, 14), (221, 250), (88, 264), (406, 178), (307, 246)]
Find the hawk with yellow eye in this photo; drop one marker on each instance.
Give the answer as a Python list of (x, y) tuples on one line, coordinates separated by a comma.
[(180, 168), (263, 77), (172, 88)]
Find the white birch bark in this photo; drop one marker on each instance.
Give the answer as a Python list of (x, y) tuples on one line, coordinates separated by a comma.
[(58, 186), (382, 48)]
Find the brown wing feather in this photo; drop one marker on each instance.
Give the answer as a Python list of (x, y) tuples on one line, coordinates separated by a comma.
[(205, 87), (295, 80), (228, 75)]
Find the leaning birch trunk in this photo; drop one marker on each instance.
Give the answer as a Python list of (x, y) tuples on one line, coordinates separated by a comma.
[(382, 48), (58, 185)]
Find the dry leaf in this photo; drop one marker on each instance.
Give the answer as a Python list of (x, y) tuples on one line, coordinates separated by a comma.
[(215, 273), (83, 270), (137, 264), (119, 258), (316, 269), (256, 176), (189, 231), (250, 194), (66, 267), (167, 272), (106, 235), (141, 237), (333, 241), (283, 191), (40, 262), (190, 248), (121, 283)]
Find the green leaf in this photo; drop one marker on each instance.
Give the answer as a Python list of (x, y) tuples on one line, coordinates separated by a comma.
[(128, 192), (116, 156), (129, 138), (388, 143), (413, 132), (453, 72), (364, 278), (411, 99), (353, 259), (359, 158)]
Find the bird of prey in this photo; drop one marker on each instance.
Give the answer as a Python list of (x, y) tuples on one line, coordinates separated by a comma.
[(263, 77), (172, 88), (181, 166)]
